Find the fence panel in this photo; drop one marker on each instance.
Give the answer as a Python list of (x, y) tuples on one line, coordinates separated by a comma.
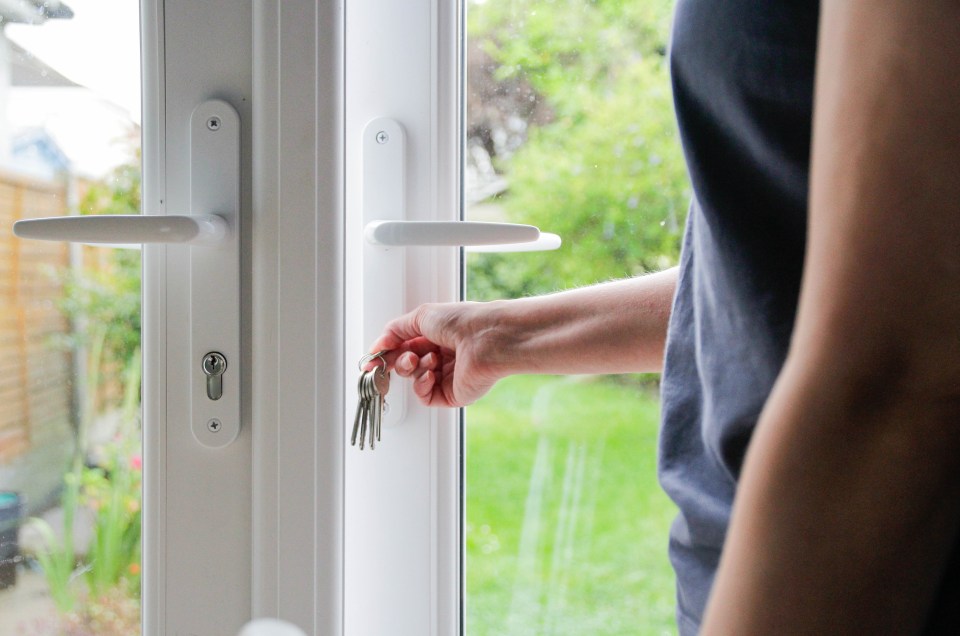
[(36, 396)]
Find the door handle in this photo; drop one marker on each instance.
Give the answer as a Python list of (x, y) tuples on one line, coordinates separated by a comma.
[(545, 242), (208, 242), (448, 233), (126, 229)]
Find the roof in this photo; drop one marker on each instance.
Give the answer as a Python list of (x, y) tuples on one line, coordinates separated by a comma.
[(37, 153), (26, 69), (33, 11)]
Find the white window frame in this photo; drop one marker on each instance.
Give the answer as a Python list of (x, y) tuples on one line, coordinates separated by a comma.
[(288, 521)]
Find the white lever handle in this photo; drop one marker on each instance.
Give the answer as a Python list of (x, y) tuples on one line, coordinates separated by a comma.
[(547, 241), (450, 233), (206, 229)]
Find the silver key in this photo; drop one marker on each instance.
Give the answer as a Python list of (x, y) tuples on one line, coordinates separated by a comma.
[(360, 406), (376, 401), (377, 411), (371, 406), (381, 382), (365, 406), (372, 388)]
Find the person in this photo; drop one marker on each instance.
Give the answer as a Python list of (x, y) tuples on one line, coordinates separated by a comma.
[(810, 337)]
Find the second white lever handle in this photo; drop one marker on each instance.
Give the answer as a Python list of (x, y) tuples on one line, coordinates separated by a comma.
[(205, 229), (447, 233)]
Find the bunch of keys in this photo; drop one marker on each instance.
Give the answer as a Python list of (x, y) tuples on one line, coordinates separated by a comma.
[(371, 389)]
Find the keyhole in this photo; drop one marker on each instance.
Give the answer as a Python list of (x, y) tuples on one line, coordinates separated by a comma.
[(214, 364)]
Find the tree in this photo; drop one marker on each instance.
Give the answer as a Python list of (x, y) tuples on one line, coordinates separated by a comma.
[(102, 301), (598, 160)]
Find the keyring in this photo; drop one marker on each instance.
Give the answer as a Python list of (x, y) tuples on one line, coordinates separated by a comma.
[(372, 356)]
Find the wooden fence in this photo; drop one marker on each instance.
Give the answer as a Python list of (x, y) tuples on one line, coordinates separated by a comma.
[(35, 374)]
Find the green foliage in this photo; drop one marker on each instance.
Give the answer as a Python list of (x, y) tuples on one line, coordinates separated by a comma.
[(569, 48), (606, 173), (104, 302), (120, 193), (112, 561), (58, 558), (112, 491)]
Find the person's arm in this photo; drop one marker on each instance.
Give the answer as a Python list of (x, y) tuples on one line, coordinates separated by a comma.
[(849, 502), (457, 351)]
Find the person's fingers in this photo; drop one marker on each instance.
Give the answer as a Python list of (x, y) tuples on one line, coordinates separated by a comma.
[(446, 387), (407, 367), (388, 341), (423, 386), (395, 333), (406, 363), (407, 327), (429, 362), (419, 346), (437, 397)]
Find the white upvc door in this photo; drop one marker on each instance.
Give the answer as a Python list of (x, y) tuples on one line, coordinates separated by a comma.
[(197, 495), (402, 140), (287, 520)]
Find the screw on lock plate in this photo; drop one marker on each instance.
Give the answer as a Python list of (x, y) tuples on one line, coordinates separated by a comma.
[(214, 364)]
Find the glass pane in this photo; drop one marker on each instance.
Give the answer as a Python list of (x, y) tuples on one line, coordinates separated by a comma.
[(569, 127), (69, 321)]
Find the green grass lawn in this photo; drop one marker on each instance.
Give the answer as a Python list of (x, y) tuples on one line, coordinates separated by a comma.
[(566, 524)]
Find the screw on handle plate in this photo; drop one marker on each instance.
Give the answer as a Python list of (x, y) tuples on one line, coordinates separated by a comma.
[(214, 364)]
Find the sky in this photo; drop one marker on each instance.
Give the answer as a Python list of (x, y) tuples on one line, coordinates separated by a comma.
[(99, 48)]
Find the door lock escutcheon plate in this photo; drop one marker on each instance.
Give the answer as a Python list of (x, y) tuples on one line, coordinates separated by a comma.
[(215, 276)]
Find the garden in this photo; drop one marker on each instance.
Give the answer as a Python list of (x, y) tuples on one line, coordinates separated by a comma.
[(570, 127), (565, 523), (95, 585)]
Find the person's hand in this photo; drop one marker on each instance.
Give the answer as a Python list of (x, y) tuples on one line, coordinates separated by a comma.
[(446, 349)]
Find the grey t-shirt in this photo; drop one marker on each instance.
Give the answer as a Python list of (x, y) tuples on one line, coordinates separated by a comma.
[(742, 75)]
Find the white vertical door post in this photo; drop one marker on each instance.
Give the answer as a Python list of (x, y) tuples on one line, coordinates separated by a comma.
[(197, 488), (298, 313)]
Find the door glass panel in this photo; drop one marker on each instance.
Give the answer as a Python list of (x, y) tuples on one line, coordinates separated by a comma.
[(69, 321), (569, 127)]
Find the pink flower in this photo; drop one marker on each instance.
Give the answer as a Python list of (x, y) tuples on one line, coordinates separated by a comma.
[(136, 462)]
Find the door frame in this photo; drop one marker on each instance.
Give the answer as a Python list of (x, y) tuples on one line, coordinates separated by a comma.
[(285, 521)]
